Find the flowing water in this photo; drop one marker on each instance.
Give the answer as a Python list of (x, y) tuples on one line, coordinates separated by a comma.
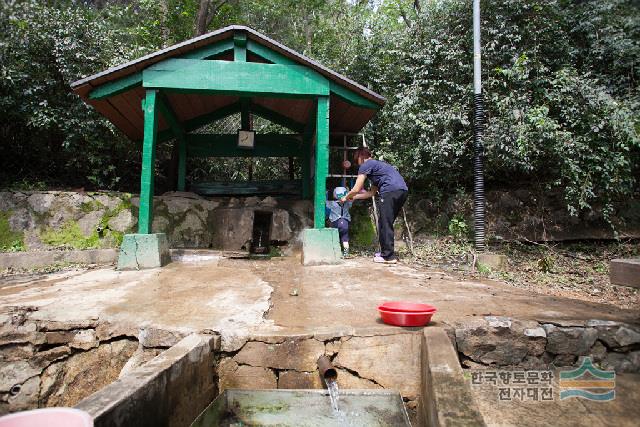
[(334, 395)]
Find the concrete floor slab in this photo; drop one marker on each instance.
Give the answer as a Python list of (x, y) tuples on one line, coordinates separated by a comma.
[(245, 295)]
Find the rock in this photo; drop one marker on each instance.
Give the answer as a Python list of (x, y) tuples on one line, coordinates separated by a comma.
[(280, 228), (299, 355), (84, 339), (89, 222), (66, 383), (192, 232), (618, 336), (598, 352), (107, 200), (42, 359), (231, 375), (25, 396), (60, 337), (153, 337), (535, 332), (269, 202), (140, 357), (41, 202), (498, 321), (16, 373), (571, 341), (160, 224), (501, 342), (369, 357), (11, 352), (107, 331), (27, 333), (565, 360), (123, 221), (621, 362), (299, 380), (54, 325)]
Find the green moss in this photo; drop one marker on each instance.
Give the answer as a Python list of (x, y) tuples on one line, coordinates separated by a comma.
[(10, 241), (94, 205), (70, 236), (362, 230)]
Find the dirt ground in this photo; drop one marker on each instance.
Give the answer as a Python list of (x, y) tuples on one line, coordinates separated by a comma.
[(577, 270)]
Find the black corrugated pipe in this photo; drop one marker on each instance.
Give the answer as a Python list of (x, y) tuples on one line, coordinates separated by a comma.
[(478, 128)]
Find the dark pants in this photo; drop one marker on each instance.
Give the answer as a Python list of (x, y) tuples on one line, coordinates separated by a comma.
[(343, 229), (389, 205)]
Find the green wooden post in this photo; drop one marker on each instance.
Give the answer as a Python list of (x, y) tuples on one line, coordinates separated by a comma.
[(306, 168), (322, 161), (145, 216), (182, 164)]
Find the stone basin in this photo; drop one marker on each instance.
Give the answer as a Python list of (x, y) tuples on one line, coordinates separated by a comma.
[(361, 408)]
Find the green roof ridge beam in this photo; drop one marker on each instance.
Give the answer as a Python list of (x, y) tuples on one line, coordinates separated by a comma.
[(202, 120), (145, 214), (322, 161), (277, 118), (352, 97), (210, 51), (235, 78), (126, 83), (174, 123), (226, 145), (240, 46), (268, 54)]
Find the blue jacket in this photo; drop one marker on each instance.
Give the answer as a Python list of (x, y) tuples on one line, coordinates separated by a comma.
[(336, 210)]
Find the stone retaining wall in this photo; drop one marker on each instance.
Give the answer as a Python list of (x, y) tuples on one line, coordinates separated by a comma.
[(504, 342), (51, 363), (48, 220)]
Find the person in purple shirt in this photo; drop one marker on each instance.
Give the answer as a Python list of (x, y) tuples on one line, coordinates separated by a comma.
[(392, 190)]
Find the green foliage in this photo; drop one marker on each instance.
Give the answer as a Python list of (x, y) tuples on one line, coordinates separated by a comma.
[(458, 227), (560, 80), (10, 241), (70, 236)]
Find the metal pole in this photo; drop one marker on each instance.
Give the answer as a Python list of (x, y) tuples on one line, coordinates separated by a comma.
[(478, 129)]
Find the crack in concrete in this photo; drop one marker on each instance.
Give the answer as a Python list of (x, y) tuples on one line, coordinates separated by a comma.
[(357, 374)]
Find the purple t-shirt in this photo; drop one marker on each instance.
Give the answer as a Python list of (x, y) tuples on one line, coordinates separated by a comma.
[(383, 175)]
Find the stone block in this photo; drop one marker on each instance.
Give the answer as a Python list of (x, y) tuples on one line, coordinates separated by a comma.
[(493, 261), (299, 355), (450, 401), (625, 272), (300, 380), (570, 341), (139, 251), (369, 358), (321, 246), (232, 375)]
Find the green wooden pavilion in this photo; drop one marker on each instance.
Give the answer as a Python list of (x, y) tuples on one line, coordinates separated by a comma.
[(233, 70)]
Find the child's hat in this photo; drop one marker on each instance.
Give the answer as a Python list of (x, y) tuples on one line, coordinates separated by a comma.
[(339, 192)]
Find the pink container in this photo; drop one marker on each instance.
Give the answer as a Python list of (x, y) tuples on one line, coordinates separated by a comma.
[(48, 417)]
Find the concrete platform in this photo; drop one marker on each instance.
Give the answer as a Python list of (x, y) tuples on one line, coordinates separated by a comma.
[(251, 296), (625, 272)]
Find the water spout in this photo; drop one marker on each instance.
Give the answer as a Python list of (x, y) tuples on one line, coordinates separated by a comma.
[(326, 369), (330, 377)]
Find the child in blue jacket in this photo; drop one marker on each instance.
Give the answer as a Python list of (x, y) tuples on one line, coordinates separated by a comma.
[(339, 217)]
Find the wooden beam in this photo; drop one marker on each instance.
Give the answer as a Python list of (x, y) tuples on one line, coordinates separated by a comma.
[(277, 58), (245, 113), (126, 83), (226, 145), (117, 86), (352, 97), (275, 117), (240, 46), (145, 215), (322, 161), (210, 51), (268, 54), (235, 78)]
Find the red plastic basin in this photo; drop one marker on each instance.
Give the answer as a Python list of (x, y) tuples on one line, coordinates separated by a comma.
[(48, 417), (397, 318), (407, 307)]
